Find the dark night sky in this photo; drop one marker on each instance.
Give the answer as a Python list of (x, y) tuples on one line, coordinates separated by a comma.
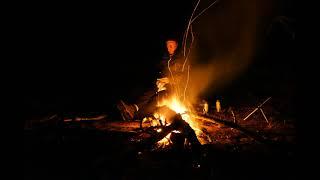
[(87, 56)]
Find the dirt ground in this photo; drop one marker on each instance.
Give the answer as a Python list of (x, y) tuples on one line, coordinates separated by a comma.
[(104, 150)]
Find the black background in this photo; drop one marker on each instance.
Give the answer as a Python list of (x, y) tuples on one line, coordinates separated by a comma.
[(87, 56)]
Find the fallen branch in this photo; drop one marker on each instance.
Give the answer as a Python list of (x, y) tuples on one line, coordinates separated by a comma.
[(230, 124)]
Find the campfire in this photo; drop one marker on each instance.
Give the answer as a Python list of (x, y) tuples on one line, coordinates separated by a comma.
[(166, 121), (179, 108)]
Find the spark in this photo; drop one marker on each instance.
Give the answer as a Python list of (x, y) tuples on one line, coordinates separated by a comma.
[(204, 10), (186, 59), (176, 131), (185, 37), (174, 83), (185, 89), (191, 20)]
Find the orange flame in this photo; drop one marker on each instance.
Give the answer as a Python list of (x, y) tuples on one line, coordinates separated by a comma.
[(177, 106)]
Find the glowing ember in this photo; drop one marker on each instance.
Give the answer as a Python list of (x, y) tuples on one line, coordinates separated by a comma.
[(175, 131), (164, 142), (161, 117)]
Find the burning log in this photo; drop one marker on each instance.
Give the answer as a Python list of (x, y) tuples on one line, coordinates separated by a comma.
[(178, 126), (182, 126)]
